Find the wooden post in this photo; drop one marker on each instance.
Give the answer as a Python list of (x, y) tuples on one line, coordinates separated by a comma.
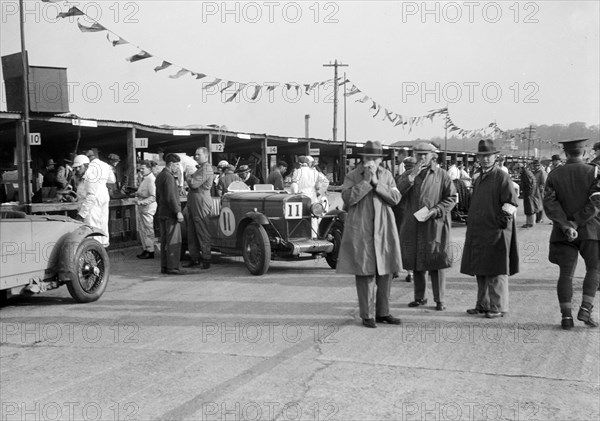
[(131, 157)]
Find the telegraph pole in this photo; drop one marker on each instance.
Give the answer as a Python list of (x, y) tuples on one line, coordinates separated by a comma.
[(531, 129), (335, 66)]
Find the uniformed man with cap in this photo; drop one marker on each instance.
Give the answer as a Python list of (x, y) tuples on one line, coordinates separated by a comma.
[(425, 242), (576, 229)]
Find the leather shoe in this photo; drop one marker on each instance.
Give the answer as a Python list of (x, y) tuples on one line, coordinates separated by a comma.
[(476, 311), (418, 303), (440, 306), (146, 255), (493, 314), (174, 272), (408, 278), (585, 315), (567, 322), (192, 264), (369, 323), (388, 319)]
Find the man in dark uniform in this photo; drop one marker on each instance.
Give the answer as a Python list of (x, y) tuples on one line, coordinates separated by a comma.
[(199, 205), (170, 216), (491, 252), (576, 229)]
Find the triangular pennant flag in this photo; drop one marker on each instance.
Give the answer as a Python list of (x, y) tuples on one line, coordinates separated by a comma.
[(119, 41), (271, 87), (374, 106), (73, 11), (227, 86), (344, 82), (179, 74), (363, 100), (352, 91), (288, 86), (96, 27), (400, 120), (378, 109), (163, 66), (211, 84), (199, 75), (257, 89), (139, 56), (306, 87), (231, 97)]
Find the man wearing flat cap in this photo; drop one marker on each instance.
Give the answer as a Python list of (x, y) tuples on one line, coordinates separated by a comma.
[(575, 231), (370, 249), (491, 250), (425, 240), (227, 177)]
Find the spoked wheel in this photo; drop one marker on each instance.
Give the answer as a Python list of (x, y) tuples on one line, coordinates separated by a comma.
[(256, 249), (89, 271), (335, 236)]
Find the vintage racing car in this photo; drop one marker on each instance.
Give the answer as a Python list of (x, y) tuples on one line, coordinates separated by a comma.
[(274, 225), (39, 253)]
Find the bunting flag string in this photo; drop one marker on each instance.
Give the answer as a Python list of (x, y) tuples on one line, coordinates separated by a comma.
[(115, 39), (490, 129)]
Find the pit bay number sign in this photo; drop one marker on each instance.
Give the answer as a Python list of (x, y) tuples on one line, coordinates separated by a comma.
[(35, 139)]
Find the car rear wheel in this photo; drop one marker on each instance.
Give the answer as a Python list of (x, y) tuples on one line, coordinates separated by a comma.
[(335, 235), (256, 249), (90, 269)]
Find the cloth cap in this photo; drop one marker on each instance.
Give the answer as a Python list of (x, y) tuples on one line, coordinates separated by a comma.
[(303, 159), (555, 157), (409, 159), (50, 162), (424, 147), (114, 157), (80, 160), (282, 164)]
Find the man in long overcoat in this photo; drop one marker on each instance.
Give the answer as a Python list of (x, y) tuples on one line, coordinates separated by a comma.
[(491, 251), (199, 205), (425, 244), (575, 231), (531, 201), (169, 215), (540, 181), (370, 249)]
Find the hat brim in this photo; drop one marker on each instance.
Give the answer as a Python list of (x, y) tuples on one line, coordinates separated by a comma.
[(487, 153), (374, 155)]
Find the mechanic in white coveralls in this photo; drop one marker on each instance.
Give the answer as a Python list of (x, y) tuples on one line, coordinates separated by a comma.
[(92, 193), (307, 180)]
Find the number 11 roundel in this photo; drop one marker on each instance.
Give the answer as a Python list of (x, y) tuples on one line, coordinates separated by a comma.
[(227, 222)]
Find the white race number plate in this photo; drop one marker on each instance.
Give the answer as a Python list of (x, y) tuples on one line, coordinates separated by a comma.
[(293, 210)]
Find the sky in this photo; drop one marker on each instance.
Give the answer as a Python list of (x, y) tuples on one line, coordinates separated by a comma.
[(512, 63)]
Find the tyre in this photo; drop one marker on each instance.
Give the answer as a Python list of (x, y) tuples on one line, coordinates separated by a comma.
[(336, 238), (89, 270), (256, 249)]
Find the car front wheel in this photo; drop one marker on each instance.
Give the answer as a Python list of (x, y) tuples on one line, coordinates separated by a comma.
[(90, 269), (256, 249)]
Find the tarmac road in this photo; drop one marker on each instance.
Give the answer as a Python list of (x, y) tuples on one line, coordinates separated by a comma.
[(225, 345)]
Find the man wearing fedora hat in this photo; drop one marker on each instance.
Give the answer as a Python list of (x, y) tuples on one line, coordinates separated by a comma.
[(245, 173), (370, 249), (425, 242), (555, 163), (491, 251), (575, 231)]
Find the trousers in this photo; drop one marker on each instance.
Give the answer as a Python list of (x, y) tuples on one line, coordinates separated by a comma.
[(492, 293), (438, 284), (373, 303), (170, 243), (198, 238), (146, 228)]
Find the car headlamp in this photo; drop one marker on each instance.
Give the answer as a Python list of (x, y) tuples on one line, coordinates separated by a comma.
[(317, 209)]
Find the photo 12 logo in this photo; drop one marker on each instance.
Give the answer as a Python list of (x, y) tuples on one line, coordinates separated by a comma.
[(469, 12), (454, 92), (49, 11), (270, 11)]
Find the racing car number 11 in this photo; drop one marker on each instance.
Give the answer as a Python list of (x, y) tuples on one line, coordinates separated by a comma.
[(293, 210)]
